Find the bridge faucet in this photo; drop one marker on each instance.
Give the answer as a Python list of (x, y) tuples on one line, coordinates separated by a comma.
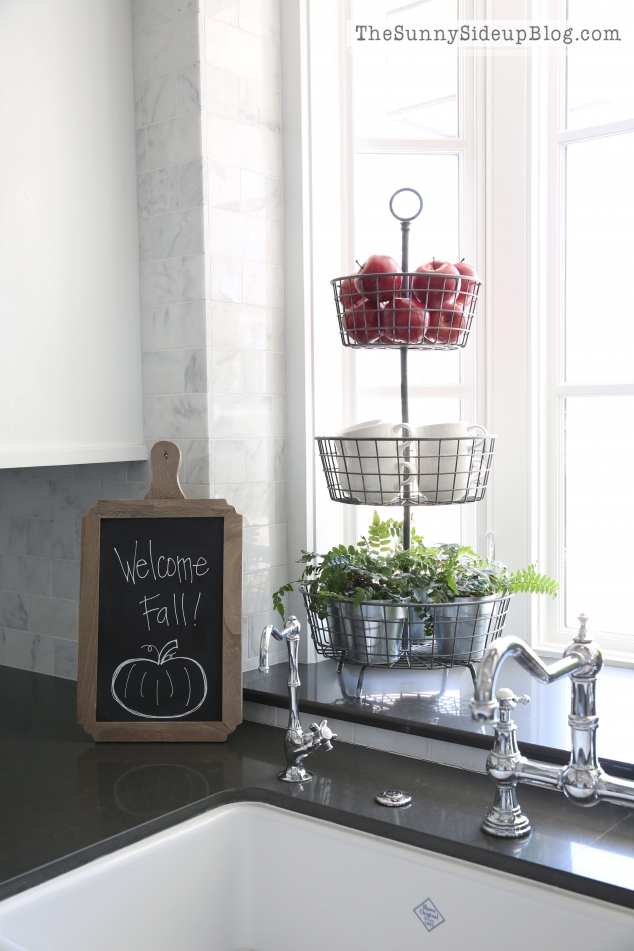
[(582, 780), (298, 743)]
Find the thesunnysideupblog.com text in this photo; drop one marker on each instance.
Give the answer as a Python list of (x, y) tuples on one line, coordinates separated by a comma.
[(493, 34)]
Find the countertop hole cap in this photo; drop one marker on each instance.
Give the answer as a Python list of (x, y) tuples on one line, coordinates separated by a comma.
[(394, 798)]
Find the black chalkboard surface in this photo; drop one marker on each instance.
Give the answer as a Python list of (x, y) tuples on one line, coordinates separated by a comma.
[(160, 619), (160, 625)]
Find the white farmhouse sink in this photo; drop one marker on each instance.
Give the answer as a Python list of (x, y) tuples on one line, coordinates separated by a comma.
[(254, 877)]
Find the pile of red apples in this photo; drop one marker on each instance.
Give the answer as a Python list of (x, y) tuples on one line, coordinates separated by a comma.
[(376, 313)]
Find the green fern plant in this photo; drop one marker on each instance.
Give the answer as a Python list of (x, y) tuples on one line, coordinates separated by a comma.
[(529, 581), (378, 569)]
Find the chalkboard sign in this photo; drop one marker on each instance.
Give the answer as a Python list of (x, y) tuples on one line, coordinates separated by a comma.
[(160, 619)]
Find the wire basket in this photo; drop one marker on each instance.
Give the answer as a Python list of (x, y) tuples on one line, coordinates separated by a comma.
[(425, 471), (423, 311), (395, 635)]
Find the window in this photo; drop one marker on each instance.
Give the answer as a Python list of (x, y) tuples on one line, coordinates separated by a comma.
[(523, 160)]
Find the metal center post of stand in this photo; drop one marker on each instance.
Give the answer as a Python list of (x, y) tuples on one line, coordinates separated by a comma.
[(405, 292), (407, 510)]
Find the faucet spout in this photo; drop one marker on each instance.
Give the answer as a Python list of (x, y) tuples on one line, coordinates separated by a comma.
[(292, 630), (484, 704)]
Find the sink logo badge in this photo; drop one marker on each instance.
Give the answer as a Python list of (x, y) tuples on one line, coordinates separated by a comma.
[(429, 914)]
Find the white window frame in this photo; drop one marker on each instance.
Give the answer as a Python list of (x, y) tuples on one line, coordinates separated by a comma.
[(551, 633)]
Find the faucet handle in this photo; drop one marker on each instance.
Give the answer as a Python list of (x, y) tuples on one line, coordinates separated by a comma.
[(507, 698), (323, 733), (322, 730)]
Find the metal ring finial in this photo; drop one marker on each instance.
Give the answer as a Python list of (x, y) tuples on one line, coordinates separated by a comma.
[(398, 193)]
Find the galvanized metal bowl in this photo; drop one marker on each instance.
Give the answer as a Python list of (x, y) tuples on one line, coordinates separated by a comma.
[(393, 634)]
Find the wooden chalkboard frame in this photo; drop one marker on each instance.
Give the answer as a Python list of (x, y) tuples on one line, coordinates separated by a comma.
[(178, 731)]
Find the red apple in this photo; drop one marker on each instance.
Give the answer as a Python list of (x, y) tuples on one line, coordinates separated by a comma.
[(466, 287), (435, 283), (445, 326), (362, 322), (348, 294), (379, 288), (403, 321), (437, 301)]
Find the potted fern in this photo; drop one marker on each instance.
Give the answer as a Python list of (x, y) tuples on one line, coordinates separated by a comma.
[(374, 603)]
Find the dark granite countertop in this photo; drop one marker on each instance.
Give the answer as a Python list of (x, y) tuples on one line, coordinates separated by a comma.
[(65, 800), (435, 703)]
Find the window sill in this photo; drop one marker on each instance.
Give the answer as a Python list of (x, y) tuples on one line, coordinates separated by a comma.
[(435, 705)]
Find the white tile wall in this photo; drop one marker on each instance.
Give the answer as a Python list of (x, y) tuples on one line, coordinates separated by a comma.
[(208, 142)]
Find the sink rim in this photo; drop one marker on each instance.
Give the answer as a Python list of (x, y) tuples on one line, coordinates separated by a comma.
[(381, 825)]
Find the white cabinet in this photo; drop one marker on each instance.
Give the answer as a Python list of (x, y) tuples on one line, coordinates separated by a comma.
[(70, 361)]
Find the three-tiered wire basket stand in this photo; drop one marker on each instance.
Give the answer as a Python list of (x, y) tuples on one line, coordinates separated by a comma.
[(405, 470)]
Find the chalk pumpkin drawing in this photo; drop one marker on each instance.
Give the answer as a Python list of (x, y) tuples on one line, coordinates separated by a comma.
[(145, 686)]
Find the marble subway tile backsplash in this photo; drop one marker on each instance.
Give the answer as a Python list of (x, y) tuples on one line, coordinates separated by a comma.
[(225, 280), (260, 195), (194, 276), (161, 282), (223, 93), (237, 144), (14, 610), (171, 326), (158, 192), (177, 234), (260, 105), (12, 534), (265, 459), (233, 50), (155, 100), (28, 497), (184, 416), (261, 17), (29, 651), (169, 46), (65, 579), (174, 141), (188, 89), (190, 183), (50, 538), (27, 573), (149, 14)]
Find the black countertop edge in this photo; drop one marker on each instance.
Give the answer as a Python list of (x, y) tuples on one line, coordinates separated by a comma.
[(431, 731), (532, 871)]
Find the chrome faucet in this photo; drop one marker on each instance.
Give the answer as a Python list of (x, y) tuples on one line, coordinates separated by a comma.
[(298, 743), (582, 780)]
